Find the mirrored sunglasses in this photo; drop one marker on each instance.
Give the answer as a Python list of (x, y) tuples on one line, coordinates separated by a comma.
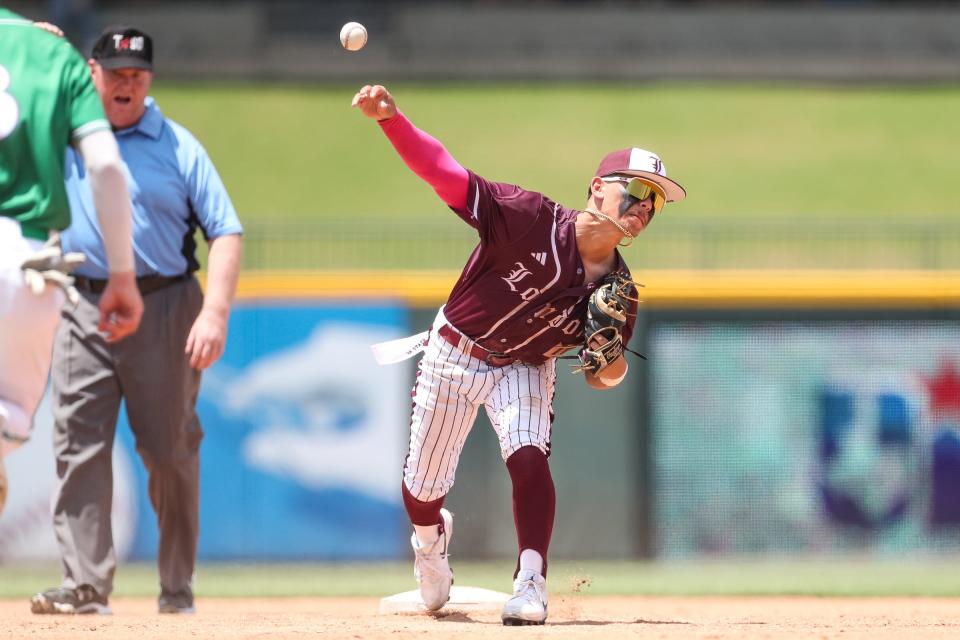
[(641, 189)]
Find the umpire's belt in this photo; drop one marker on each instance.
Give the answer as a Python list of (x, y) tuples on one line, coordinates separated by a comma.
[(492, 358), (146, 284)]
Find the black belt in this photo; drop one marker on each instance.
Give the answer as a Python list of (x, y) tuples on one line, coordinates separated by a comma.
[(146, 284), (492, 358)]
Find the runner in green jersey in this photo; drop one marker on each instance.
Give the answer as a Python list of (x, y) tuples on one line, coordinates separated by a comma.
[(48, 101), (46, 75)]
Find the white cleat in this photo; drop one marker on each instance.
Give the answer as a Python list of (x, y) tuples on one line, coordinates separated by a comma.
[(529, 602), (431, 566)]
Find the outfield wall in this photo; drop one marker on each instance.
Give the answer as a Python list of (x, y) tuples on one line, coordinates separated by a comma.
[(784, 414)]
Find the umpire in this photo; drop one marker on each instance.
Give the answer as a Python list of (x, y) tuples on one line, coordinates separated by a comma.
[(175, 188)]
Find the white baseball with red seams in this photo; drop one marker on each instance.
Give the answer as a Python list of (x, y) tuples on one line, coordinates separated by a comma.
[(353, 36)]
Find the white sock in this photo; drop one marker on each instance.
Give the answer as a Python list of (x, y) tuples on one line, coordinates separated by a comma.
[(426, 536), (532, 560)]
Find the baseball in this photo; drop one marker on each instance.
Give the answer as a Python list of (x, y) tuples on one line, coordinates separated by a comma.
[(353, 36)]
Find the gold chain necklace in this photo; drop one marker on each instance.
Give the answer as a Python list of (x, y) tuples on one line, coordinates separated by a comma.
[(623, 230)]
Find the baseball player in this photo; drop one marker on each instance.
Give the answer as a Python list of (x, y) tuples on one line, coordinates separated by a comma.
[(47, 102), (520, 303), (156, 372)]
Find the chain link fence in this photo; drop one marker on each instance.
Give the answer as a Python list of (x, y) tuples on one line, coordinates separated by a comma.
[(445, 243)]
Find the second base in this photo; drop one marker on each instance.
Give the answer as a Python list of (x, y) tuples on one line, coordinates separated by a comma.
[(461, 599)]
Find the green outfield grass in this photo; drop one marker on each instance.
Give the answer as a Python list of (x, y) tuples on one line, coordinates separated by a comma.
[(742, 151), (796, 577)]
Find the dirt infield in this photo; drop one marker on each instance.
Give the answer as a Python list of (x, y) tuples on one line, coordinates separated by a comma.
[(570, 617)]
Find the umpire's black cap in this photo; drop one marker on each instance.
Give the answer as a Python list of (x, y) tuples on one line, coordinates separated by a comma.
[(120, 47)]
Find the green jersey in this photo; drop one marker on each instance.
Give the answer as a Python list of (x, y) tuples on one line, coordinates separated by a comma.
[(47, 98)]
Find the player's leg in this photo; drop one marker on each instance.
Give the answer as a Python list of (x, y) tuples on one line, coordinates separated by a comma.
[(161, 392), (520, 409), (86, 401), (447, 395), (3, 479), (27, 326)]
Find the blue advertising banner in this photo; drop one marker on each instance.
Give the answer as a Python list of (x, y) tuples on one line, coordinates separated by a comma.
[(304, 443), (304, 436)]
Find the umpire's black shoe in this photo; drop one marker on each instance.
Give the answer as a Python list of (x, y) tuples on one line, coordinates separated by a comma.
[(179, 602), (83, 599)]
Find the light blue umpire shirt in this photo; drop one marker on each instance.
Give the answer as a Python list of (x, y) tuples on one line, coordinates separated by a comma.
[(174, 188)]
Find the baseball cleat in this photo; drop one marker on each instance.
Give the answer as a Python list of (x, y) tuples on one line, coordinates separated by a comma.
[(528, 605), (179, 602), (82, 600), (431, 566)]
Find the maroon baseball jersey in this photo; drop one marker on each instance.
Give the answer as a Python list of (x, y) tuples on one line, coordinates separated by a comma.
[(522, 291)]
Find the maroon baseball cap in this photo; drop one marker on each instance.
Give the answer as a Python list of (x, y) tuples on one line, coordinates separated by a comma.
[(642, 164), (121, 47)]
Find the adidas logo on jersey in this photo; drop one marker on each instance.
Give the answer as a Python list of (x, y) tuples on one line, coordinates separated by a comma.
[(540, 257)]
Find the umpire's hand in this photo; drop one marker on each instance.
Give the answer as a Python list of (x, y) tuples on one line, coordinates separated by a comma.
[(207, 338), (120, 306), (375, 102)]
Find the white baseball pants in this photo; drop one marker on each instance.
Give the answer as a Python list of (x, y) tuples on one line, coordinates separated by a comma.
[(451, 386), (28, 323)]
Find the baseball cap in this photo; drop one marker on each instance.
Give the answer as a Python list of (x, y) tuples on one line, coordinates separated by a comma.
[(120, 47), (642, 164)]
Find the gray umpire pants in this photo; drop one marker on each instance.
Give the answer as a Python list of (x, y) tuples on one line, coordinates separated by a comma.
[(151, 372)]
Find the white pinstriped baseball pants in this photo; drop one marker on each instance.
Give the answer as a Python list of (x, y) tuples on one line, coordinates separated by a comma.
[(451, 386)]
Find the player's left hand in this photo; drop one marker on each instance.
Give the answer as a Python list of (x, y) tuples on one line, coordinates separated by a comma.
[(208, 335), (606, 317)]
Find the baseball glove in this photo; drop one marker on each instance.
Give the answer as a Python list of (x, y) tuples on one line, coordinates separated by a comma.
[(607, 310)]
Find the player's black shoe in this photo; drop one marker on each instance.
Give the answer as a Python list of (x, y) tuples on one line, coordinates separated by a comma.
[(179, 602), (82, 600)]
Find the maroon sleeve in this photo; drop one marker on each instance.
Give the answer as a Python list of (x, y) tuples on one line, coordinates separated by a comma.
[(502, 213), (427, 158)]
